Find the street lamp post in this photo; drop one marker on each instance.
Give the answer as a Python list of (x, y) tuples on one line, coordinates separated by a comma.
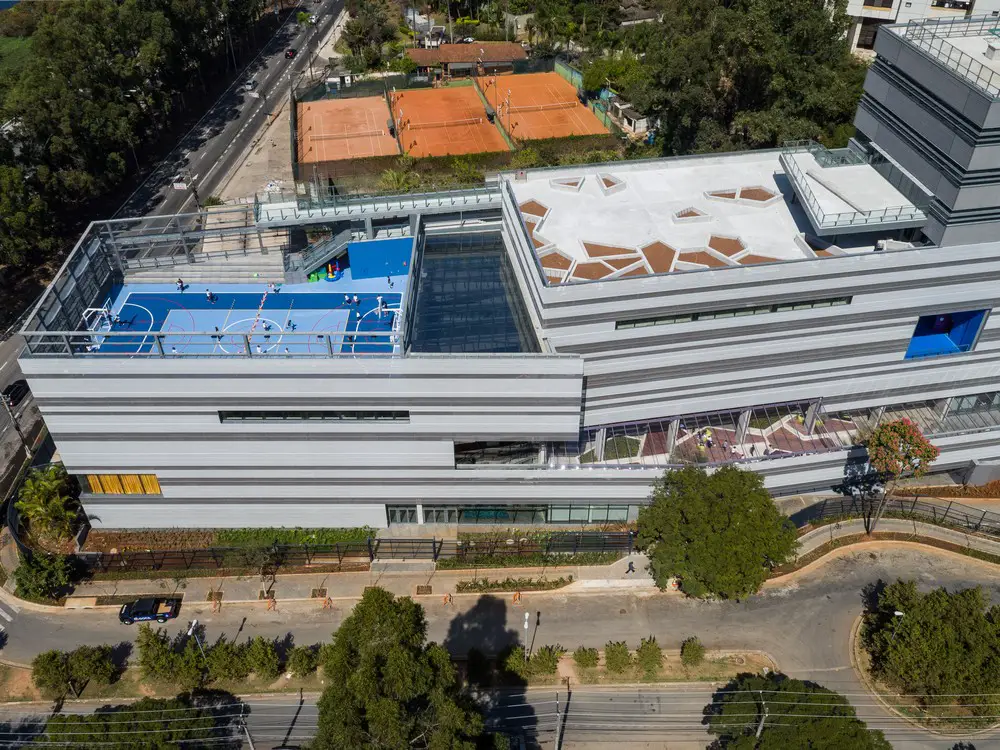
[(192, 632), (525, 637), (898, 616)]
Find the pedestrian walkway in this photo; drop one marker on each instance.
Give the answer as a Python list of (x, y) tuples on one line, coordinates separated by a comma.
[(319, 586)]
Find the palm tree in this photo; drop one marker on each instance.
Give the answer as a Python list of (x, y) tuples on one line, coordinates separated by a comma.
[(398, 181), (46, 502)]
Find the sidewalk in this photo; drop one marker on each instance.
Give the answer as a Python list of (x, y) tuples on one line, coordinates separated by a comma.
[(592, 578)]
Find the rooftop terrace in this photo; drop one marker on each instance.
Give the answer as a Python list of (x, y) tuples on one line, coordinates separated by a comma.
[(627, 219), (960, 44)]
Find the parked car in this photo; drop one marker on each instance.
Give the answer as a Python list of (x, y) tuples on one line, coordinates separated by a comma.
[(313, 19), (15, 393), (251, 84), (467, 40), (142, 610), (289, 53)]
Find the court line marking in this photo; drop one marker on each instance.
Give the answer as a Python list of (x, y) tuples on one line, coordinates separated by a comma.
[(151, 321)]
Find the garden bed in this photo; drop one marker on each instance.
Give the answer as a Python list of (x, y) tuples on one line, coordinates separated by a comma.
[(716, 667), (101, 540), (485, 585), (988, 491)]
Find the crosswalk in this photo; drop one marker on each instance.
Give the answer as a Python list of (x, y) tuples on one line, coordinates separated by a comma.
[(7, 616)]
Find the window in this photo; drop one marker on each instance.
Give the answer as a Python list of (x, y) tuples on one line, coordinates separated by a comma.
[(866, 34), (440, 514), (587, 513), (878, 3), (733, 313), (313, 415), (948, 333), (124, 484), (402, 513)]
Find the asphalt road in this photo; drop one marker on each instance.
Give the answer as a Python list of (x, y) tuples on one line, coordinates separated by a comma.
[(211, 148), (804, 626)]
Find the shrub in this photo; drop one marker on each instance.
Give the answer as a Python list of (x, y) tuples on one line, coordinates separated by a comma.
[(649, 655), (189, 665), (586, 658), (514, 663), (546, 660), (692, 652), (227, 661), (303, 660), (617, 657), (43, 577), (262, 658)]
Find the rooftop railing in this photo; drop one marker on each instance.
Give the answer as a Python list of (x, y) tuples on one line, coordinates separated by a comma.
[(285, 206), (931, 36), (878, 217)]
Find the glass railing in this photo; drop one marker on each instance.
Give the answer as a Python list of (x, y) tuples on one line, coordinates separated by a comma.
[(284, 206), (878, 217)]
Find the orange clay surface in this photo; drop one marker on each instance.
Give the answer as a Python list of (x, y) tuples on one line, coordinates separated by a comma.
[(335, 129), (531, 89), (448, 111)]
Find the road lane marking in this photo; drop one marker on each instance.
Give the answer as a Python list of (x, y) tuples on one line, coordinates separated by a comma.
[(5, 616)]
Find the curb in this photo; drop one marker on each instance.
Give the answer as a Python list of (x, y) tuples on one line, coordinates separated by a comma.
[(864, 678)]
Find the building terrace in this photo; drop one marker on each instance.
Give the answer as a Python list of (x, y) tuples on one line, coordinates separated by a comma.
[(627, 219)]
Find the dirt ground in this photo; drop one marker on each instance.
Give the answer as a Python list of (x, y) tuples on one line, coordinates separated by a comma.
[(267, 166)]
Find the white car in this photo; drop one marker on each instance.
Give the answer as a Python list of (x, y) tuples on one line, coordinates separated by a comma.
[(313, 19)]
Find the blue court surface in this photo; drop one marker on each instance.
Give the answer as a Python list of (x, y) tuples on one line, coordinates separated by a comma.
[(293, 319)]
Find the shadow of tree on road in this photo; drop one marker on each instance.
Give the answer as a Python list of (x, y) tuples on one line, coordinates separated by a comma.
[(482, 638)]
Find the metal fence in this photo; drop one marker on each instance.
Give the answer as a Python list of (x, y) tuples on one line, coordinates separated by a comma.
[(954, 515), (273, 558)]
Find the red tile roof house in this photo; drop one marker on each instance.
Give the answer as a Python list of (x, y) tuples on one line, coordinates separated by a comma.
[(461, 59)]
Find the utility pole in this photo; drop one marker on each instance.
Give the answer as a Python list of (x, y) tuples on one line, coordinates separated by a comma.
[(525, 637), (763, 715), (558, 724), (246, 729)]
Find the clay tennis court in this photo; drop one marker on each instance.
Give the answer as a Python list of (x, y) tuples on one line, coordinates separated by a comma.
[(335, 129), (442, 122), (542, 105)]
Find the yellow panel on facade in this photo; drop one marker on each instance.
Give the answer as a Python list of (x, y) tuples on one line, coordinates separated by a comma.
[(150, 484), (112, 484), (94, 480)]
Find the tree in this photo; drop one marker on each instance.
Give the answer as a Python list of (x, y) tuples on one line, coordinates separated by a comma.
[(227, 661), (692, 652), (156, 654), (47, 502), (719, 533), (388, 687), (798, 714), (943, 647), (90, 664), (262, 658), (42, 576), (303, 660), (898, 450), (49, 673), (148, 724), (56, 673)]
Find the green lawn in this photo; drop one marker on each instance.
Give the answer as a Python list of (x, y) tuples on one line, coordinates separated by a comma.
[(14, 53)]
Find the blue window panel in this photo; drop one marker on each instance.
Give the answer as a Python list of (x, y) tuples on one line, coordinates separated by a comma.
[(948, 333)]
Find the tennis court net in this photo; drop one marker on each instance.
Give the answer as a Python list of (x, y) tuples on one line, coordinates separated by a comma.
[(339, 136), (543, 107), (447, 124)]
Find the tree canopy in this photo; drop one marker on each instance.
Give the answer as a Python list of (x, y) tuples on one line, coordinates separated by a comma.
[(945, 646), (387, 687), (899, 450), (799, 714), (726, 76), (148, 724), (719, 533), (47, 501)]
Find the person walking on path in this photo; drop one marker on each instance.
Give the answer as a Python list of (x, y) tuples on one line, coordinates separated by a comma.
[(631, 567)]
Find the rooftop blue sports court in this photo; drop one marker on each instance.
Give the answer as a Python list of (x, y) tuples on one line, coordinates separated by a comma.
[(355, 307)]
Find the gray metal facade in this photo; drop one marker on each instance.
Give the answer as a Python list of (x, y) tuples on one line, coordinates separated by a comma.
[(925, 107)]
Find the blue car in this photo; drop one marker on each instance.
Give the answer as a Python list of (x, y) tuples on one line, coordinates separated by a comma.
[(142, 610)]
